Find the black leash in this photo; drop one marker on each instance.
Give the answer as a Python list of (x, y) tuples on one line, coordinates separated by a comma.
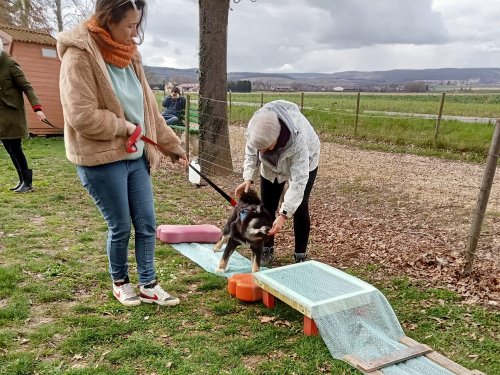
[(218, 189), (130, 147), (46, 121)]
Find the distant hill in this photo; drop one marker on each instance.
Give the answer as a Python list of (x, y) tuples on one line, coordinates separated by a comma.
[(348, 79), (158, 74), (484, 75)]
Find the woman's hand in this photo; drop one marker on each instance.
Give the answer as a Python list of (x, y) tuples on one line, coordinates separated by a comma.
[(41, 115), (277, 225), (130, 128), (183, 160), (243, 187)]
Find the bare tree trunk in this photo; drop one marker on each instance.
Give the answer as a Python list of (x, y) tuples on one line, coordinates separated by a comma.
[(25, 10), (59, 17), (6, 12), (215, 152)]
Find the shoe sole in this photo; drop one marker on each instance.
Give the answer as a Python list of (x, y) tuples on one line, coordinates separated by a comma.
[(173, 302), (129, 303), (23, 192)]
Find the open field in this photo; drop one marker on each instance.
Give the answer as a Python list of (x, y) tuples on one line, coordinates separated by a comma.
[(468, 105), (457, 104), (385, 121), (58, 316)]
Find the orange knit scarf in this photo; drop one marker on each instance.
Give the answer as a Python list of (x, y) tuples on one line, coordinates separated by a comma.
[(114, 53)]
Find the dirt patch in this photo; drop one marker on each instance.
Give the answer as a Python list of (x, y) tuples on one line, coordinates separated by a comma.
[(404, 214)]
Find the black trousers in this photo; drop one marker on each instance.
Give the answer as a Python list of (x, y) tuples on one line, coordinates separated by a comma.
[(15, 150), (271, 194)]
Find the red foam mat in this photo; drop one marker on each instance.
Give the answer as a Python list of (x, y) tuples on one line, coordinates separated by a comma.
[(188, 233)]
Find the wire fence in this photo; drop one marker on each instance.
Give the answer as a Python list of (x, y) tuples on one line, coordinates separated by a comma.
[(433, 197)]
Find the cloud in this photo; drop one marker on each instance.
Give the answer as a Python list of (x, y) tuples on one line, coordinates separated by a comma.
[(361, 23), (330, 36)]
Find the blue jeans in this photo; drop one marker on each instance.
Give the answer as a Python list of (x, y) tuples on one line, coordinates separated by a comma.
[(123, 193), (170, 119)]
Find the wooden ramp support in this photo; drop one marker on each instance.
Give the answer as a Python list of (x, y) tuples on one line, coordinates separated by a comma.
[(414, 349)]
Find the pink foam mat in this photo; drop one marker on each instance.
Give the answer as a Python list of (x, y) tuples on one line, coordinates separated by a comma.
[(188, 233)]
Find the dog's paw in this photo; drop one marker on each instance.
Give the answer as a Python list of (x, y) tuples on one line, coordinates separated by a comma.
[(220, 270)]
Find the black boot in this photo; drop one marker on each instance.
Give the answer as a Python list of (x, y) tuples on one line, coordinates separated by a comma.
[(20, 181), (27, 176)]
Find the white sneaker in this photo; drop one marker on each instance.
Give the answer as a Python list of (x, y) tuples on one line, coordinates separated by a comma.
[(154, 293), (125, 294)]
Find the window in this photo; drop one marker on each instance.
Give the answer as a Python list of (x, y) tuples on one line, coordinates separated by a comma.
[(49, 52)]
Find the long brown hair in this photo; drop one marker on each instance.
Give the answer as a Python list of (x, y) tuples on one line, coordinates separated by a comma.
[(114, 11)]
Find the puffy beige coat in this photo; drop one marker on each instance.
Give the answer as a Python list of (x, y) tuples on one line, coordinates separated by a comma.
[(94, 120)]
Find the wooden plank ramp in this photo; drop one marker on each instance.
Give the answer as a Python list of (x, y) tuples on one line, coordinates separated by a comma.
[(414, 349)]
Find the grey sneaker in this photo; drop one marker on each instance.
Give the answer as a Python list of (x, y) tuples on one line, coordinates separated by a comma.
[(300, 257), (267, 256)]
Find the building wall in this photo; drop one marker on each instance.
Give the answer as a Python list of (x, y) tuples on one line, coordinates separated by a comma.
[(43, 74)]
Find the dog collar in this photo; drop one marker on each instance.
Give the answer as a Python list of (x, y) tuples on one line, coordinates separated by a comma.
[(243, 213)]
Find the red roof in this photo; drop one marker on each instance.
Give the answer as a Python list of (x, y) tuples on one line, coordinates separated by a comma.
[(21, 34)]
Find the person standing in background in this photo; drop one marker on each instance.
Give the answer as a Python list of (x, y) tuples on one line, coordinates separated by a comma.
[(13, 125)]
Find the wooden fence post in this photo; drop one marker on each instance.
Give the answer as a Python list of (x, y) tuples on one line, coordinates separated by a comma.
[(230, 107), (357, 115), (261, 99), (302, 102), (482, 199), (186, 124), (438, 121)]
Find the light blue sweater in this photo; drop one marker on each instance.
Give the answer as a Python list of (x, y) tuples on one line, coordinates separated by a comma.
[(128, 89)]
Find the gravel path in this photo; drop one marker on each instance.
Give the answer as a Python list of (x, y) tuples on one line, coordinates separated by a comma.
[(407, 214)]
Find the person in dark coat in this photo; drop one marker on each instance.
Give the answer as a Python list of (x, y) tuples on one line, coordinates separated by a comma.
[(13, 125), (174, 107)]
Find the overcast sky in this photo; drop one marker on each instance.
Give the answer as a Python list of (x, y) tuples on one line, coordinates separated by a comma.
[(332, 35)]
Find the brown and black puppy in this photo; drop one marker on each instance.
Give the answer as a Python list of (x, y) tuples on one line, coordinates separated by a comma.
[(248, 225)]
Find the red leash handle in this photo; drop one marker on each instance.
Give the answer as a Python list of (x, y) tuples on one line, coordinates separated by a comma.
[(130, 146)]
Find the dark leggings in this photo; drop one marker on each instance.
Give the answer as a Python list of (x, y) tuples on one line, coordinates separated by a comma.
[(271, 194), (15, 150)]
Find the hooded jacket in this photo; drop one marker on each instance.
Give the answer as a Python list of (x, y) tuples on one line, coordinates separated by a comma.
[(12, 85), (300, 156), (94, 121)]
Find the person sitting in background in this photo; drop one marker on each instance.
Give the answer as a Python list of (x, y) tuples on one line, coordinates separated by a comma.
[(174, 107)]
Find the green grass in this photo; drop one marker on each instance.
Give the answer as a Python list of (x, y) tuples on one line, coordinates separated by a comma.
[(334, 116), (58, 316)]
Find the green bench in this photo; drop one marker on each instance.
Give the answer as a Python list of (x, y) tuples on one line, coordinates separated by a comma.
[(191, 146), (193, 123)]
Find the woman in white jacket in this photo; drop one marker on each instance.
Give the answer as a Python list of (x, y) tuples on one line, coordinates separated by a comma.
[(283, 146)]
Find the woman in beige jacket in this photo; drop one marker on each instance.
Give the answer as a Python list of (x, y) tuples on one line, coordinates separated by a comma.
[(104, 93)]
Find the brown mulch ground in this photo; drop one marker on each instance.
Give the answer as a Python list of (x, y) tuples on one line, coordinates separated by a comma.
[(408, 215)]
